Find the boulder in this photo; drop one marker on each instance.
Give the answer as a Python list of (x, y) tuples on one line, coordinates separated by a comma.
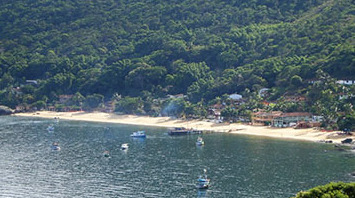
[(4, 110), (347, 141)]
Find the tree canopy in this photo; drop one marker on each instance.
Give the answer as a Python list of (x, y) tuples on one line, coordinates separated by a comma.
[(203, 49)]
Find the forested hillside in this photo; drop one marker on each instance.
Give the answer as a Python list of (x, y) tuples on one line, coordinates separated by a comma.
[(141, 48)]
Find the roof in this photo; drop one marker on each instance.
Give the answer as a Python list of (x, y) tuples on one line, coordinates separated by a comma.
[(295, 114), (65, 96), (235, 96), (264, 113)]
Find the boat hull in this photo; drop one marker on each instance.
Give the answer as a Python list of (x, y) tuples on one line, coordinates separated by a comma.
[(55, 148), (139, 134), (202, 186)]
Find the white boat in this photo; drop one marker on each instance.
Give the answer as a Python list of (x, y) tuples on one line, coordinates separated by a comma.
[(138, 134), (124, 146), (200, 141), (203, 182), (55, 146), (106, 154)]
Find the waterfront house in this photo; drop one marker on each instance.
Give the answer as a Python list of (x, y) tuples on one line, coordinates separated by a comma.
[(291, 119), (264, 92), (31, 82), (22, 108), (51, 108), (214, 114), (342, 82), (295, 98), (109, 107), (235, 96), (177, 96), (63, 99), (264, 118), (346, 82)]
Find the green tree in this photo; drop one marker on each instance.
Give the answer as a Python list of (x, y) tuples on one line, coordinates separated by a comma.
[(229, 113), (39, 104), (187, 74), (93, 101), (78, 99), (174, 107), (6, 80), (129, 105), (145, 77), (339, 189), (296, 81), (347, 123)]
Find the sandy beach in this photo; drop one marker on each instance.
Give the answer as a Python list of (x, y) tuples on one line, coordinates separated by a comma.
[(236, 128)]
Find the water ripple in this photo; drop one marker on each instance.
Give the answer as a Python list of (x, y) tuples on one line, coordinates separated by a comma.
[(158, 166)]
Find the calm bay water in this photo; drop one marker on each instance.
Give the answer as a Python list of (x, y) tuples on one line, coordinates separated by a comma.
[(158, 166)]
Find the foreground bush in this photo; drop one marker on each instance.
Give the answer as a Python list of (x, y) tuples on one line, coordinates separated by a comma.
[(331, 190)]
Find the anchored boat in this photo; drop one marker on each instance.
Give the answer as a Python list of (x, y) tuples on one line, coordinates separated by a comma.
[(138, 134), (106, 154), (55, 146), (200, 141), (203, 182), (124, 146)]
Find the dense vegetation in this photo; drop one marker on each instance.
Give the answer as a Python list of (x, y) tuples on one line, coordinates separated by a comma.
[(140, 50), (340, 189)]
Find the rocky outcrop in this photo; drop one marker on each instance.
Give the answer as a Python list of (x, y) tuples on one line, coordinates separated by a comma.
[(347, 141), (4, 110)]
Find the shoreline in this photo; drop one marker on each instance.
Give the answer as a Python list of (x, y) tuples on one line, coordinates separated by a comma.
[(167, 122)]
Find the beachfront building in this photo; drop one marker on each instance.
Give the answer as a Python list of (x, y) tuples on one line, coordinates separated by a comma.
[(264, 118), (22, 108), (291, 119), (235, 96), (346, 82), (63, 99), (32, 82), (214, 111)]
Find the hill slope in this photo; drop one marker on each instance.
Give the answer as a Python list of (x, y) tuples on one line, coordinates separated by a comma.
[(201, 48)]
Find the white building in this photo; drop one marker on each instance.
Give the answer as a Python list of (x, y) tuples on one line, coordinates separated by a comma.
[(346, 82), (235, 96)]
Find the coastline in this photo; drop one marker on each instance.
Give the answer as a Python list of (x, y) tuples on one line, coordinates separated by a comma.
[(234, 128)]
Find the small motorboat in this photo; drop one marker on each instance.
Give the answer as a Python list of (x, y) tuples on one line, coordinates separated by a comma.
[(203, 182), (138, 134), (124, 146), (200, 141), (50, 128), (106, 154), (55, 146)]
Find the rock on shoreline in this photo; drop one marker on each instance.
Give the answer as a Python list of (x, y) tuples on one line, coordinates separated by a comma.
[(4, 110)]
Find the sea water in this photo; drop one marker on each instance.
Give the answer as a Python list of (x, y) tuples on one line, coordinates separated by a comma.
[(159, 165)]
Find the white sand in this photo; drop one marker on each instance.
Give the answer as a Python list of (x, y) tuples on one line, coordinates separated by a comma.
[(288, 133)]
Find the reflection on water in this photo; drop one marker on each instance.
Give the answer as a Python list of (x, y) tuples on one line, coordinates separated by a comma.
[(157, 166), (202, 193)]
